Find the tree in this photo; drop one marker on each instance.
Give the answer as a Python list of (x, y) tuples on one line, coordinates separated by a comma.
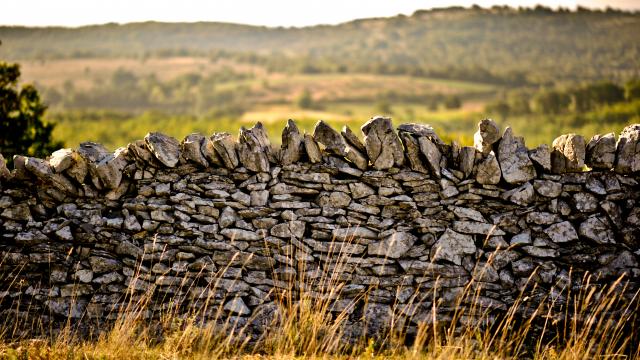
[(452, 102), (22, 130), (304, 100)]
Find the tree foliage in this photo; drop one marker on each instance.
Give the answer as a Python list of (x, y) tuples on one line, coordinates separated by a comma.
[(22, 130)]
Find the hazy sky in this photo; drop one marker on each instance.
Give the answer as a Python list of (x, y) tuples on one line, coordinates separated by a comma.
[(257, 12)]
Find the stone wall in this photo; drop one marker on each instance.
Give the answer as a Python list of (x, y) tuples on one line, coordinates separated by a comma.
[(390, 226)]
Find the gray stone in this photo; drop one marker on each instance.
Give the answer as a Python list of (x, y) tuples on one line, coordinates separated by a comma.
[(333, 142), (109, 168), (209, 152), (18, 212), (601, 151), (312, 149), (225, 147), (61, 160), (452, 246), (488, 134), (382, 143), (259, 197), (254, 150), (413, 153), (432, 154), (360, 190), (228, 217), (568, 154), (585, 202), (165, 148), (522, 195), (292, 143), (237, 306), (514, 159), (628, 150), (548, 188), (354, 233), (521, 239), (597, 229), (64, 234), (101, 265), (488, 171), (352, 139), (240, 234), (192, 149), (5, 174), (561, 232), (541, 156), (336, 199), (393, 246), (92, 152), (474, 227)]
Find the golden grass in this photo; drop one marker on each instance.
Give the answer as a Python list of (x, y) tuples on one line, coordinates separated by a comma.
[(596, 322)]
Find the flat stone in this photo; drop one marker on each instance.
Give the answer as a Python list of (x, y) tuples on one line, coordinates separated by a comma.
[(109, 168), (382, 143), (61, 160), (225, 147), (240, 234), (452, 246), (548, 188), (628, 150), (585, 202), (228, 217), (18, 212), (360, 190), (393, 246), (474, 227), (568, 154), (259, 197), (514, 159), (522, 195), (165, 148), (191, 148), (354, 233), (601, 151), (488, 171), (597, 229), (292, 143), (488, 134), (101, 265), (237, 306), (561, 232)]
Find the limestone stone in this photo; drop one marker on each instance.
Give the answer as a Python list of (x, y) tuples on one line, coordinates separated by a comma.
[(61, 160), (393, 246), (585, 202), (561, 232), (601, 151), (522, 195), (628, 150), (352, 139), (109, 168), (568, 153), (191, 149), (165, 148), (209, 152), (259, 198), (333, 142), (5, 174), (18, 212), (432, 154), (240, 234), (413, 153), (292, 143), (541, 156), (360, 190), (488, 171), (237, 306), (597, 229), (488, 134), (92, 152), (354, 233), (382, 143), (452, 246), (475, 227), (225, 147), (466, 160), (548, 188), (312, 149), (254, 150), (228, 217), (514, 159)]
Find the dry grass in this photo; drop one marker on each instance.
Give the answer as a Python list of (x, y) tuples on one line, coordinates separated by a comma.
[(596, 322)]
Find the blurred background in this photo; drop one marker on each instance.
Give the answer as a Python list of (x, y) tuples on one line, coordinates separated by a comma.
[(542, 69)]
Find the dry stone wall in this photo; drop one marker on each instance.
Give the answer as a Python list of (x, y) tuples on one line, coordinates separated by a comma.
[(392, 226)]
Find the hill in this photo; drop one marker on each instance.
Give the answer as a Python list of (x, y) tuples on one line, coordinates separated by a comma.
[(497, 45)]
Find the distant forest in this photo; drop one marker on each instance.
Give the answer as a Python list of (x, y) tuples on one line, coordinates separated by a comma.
[(500, 45)]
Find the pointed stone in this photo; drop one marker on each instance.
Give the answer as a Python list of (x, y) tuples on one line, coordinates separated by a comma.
[(312, 149), (488, 134), (466, 160), (191, 148), (488, 171), (42, 170), (568, 153), (514, 159), (165, 148), (628, 150), (109, 169), (225, 147), (237, 306), (382, 143), (20, 172), (601, 151), (432, 154), (421, 130), (291, 148), (140, 150), (413, 152), (92, 152), (254, 149), (352, 139), (541, 156), (333, 142), (209, 152)]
